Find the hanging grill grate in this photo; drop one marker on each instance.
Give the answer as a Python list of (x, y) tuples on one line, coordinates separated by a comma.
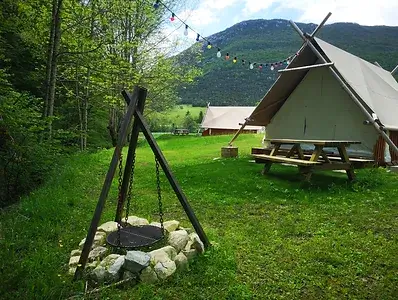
[(132, 237)]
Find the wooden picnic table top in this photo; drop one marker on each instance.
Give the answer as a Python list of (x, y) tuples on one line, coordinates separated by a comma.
[(326, 143)]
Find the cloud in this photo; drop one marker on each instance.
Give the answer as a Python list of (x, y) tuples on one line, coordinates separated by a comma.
[(208, 12), (364, 12)]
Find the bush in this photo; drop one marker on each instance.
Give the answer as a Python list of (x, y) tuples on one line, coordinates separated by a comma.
[(24, 161)]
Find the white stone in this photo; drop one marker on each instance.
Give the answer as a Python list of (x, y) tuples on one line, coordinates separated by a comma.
[(181, 261), (73, 261), (99, 274), (188, 246), (136, 261), (158, 255), (166, 269), (108, 227), (109, 260), (81, 244), (113, 272), (171, 225), (97, 253), (197, 244), (157, 224), (75, 253), (171, 251), (99, 238), (178, 239), (191, 253), (72, 271), (92, 265), (148, 275), (136, 221)]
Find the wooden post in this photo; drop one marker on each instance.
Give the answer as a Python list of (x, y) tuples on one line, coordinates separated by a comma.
[(142, 93), (347, 89), (306, 67), (320, 25), (237, 134), (173, 182), (106, 187)]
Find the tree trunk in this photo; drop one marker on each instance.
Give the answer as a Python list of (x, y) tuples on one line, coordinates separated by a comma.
[(56, 24), (50, 51)]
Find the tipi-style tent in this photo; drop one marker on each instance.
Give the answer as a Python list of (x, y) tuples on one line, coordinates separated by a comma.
[(327, 93), (220, 120)]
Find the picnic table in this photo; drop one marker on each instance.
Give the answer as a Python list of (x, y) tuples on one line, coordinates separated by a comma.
[(318, 159), (182, 131)]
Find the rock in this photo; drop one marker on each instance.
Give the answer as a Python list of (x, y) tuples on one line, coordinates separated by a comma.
[(136, 261), (197, 243), (148, 275), (171, 251), (157, 224), (73, 261), (113, 272), (136, 221), (166, 269), (109, 260), (92, 265), (189, 230), (181, 261), (128, 275), (108, 227), (188, 246), (171, 225), (191, 253), (76, 252), (81, 244), (99, 274), (178, 239), (72, 271), (97, 253), (158, 255), (99, 238)]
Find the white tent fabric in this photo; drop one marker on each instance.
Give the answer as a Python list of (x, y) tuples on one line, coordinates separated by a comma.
[(377, 87), (227, 117)]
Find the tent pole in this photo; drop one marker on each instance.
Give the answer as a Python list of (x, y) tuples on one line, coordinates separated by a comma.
[(320, 25), (377, 64), (347, 89), (395, 70), (306, 67), (237, 133)]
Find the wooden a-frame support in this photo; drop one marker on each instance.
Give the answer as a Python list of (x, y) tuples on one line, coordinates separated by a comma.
[(136, 102)]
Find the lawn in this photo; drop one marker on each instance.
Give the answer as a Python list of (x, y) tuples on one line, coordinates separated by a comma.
[(176, 115), (273, 237)]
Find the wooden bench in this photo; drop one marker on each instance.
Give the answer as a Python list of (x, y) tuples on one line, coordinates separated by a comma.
[(280, 159)]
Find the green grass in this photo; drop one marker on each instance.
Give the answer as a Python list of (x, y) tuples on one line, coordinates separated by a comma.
[(177, 114), (272, 236)]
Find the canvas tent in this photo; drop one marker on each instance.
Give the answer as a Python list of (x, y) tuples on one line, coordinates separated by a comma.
[(314, 104), (227, 119)]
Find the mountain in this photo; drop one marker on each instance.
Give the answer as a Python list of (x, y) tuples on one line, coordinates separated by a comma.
[(226, 83)]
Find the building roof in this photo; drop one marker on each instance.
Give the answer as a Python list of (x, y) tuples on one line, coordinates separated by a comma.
[(227, 117), (375, 87)]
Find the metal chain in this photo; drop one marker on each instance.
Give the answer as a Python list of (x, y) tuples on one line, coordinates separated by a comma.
[(159, 195), (129, 190), (120, 192)]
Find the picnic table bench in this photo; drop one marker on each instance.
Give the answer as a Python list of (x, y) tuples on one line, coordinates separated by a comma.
[(319, 159), (180, 131)]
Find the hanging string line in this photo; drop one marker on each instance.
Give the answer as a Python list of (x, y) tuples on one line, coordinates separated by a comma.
[(272, 65)]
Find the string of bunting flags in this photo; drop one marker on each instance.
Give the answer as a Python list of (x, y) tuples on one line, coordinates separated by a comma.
[(251, 64)]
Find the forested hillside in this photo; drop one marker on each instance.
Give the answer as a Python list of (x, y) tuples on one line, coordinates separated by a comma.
[(226, 83), (63, 64)]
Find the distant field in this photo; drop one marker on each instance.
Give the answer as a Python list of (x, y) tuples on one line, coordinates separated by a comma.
[(177, 114)]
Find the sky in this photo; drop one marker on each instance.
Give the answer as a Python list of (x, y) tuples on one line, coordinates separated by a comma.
[(211, 16)]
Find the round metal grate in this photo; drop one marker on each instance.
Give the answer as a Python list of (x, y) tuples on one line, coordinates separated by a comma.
[(134, 237)]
